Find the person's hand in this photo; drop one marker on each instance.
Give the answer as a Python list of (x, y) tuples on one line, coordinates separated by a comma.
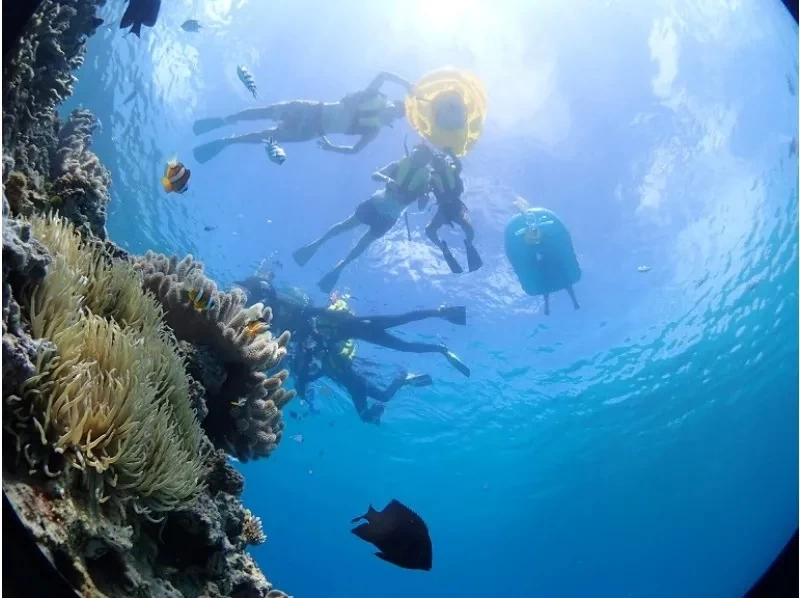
[(392, 186), (324, 143)]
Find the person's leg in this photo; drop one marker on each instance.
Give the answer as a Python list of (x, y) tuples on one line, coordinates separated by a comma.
[(571, 293), (206, 151), (474, 261), (385, 395), (431, 231), (329, 281), (302, 255), (455, 314), (378, 336)]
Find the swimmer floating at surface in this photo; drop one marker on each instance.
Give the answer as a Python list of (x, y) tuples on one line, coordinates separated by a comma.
[(362, 113), (447, 186), (406, 180)]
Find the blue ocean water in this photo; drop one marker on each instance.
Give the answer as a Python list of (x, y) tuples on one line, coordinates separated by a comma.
[(645, 445)]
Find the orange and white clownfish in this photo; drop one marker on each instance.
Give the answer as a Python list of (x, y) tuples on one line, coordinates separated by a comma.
[(176, 177), (256, 327), (201, 300)]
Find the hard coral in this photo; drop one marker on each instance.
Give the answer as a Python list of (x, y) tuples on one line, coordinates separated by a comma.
[(113, 401)]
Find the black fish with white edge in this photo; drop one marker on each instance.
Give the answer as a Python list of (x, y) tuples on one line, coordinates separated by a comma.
[(138, 13), (400, 535)]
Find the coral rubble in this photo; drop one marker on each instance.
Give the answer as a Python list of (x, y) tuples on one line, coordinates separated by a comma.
[(120, 398)]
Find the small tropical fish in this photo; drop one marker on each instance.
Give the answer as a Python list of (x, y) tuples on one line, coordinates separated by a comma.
[(400, 535), (644, 269), (256, 327), (246, 77), (191, 25), (201, 300), (274, 151), (297, 438), (138, 13), (176, 177), (208, 228)]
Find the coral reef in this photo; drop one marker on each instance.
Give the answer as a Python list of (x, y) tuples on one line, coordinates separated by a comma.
[(105, 461), (46, 165), (37, 77), (243, 403), (80, 182)]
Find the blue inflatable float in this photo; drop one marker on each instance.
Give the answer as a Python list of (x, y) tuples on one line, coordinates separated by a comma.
[(539, 249)]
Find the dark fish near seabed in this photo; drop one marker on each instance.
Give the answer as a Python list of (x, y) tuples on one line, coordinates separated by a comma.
[(138, 13), (400, 535)]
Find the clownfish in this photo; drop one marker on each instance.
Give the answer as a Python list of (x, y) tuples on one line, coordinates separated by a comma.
[(176, 177), (256, 327), (201, 300)]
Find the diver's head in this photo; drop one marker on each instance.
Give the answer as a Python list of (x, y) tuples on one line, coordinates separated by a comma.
[(394, 110), (533, 235), (421, 155), (450, 113)]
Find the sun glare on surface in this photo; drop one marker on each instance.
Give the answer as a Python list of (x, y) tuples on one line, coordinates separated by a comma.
[(458, 20)]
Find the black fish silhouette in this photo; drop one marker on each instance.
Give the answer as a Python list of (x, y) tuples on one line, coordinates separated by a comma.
[(400, 535), (138, 13)]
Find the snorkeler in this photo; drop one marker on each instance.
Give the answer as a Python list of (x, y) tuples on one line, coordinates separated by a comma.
[(549, 266), (406, 180), (447, 186), (362, 113)]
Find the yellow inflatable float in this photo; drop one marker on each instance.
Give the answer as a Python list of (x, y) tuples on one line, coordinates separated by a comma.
[(448, 108)]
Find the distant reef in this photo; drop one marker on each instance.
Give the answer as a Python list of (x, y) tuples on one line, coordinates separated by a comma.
[(124, 395)]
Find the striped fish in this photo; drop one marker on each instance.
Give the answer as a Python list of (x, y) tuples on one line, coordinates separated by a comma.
[(246, 77), (176, 177), (274, 151)]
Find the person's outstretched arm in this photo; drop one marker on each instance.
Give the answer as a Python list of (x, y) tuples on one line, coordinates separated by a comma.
[(359, 145), (386, 77), (384, 175)]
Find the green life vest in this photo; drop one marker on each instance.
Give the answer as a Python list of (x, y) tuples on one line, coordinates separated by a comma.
[(409, 178), (449, 179)]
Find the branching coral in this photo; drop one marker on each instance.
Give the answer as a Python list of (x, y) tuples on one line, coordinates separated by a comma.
[(244, 403), (114, 399)]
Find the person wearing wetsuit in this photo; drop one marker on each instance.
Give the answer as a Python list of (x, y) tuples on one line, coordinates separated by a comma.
[(363, 114), (447, 187), (406, 181), (336, 361)]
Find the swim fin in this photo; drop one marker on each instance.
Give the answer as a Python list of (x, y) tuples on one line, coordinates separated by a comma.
[(207, 151), (419, 380), (302, 255), (457, 363), (455, 267), (206, 125), (474, 260), (328, 281), (456, 314)]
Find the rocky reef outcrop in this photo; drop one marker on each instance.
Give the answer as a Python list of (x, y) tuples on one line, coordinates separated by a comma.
[(118, 417)]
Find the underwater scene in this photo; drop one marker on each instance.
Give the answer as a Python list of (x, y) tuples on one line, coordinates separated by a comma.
[(385, 299)]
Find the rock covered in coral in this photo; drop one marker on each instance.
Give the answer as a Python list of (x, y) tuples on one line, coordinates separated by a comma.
[(243, 403), (80, 182), (37, 77), (222, 325)]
